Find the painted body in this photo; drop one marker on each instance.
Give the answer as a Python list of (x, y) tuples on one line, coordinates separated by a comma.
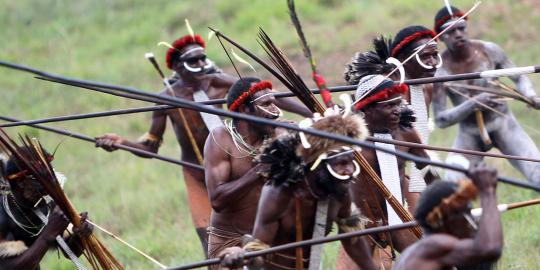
[(464, 56)]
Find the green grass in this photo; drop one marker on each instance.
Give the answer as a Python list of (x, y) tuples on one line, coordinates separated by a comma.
[(144, 201)]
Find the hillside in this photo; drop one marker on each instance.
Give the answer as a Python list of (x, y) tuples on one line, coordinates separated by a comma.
[(144, 201)]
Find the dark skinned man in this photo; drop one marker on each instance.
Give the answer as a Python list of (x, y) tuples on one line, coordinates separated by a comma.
[(24, 237), (452, 238), (480, 127), (233, 180), (311, 183), (381, 100), (188, 59), (410, 40)]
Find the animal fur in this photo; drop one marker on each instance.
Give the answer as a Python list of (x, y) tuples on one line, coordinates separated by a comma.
[(10, 249), (285, 166), (352, 126), (407, 118)]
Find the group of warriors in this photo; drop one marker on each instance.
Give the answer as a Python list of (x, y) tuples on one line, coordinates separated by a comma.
[(264, 186)]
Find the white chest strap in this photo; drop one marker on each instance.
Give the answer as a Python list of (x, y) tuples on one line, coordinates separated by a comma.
[(388, 166), (210, 120), (319, 230)]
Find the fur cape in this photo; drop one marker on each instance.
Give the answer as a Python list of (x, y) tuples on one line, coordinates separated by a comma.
[(289, 160)]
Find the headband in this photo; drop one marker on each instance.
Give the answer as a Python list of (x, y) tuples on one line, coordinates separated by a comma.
[(446, 18), (262, 85), (383, 95), (410, 39), (179, 44)]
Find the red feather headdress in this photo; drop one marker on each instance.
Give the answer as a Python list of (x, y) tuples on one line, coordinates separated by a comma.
[(262, 85), (410, 39), (181, 43), (383, 95)]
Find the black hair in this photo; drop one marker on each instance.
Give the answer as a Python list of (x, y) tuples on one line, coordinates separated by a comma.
[(368, 63), (239, 87), (430, 198), (441, 14), (406, 49)]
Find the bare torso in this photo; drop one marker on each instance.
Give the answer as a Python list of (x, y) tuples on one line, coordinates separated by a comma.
[(483, 58)]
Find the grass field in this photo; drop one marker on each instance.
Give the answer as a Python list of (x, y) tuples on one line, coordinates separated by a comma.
[(144, 201)]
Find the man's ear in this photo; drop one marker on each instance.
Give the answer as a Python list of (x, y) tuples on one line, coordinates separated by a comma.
[(243, 108)]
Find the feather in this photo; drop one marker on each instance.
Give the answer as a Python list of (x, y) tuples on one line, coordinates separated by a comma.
[(241, 60), (190, 30), (286, 167), (448, 7), (406, 118), (166, 44), (210, 35)]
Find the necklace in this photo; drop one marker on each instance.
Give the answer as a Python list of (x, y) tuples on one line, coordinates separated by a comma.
[(239, 141), (22, 225)]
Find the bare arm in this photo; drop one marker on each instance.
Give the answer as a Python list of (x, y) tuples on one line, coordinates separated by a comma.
[(30, 258), (447, 117), (523, 83), (487, 245), (150, 144), (291, 105), (223, 190), (357, 248), (222, 80), (272, 205)]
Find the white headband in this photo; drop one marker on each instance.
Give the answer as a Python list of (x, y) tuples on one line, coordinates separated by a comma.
[(449, 22), (192, 50)]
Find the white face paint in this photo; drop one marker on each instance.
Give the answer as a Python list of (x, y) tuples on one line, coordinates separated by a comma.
[(192, 69), (424, 65), (335, 174), (277, 115), (344, 177), (208, 65)]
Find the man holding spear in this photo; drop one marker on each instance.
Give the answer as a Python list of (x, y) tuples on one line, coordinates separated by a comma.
[(188, 59), (306, 192), (29, 223), (484, 120), (453, 239)]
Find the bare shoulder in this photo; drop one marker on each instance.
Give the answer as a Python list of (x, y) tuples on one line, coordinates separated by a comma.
[(218, 139), (490, 48), (432, 246)]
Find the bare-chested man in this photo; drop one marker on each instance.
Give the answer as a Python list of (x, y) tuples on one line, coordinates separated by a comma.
[(24, 237), (463, 56), (452, 237), (233, 181), (311, 183), (191, 82), (380, 100), (407, 41)]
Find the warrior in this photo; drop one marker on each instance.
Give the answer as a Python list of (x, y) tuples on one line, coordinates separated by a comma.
[(381, 100), (233, 180), (29, 223), (452, 237), (187, 59), (484, 120), (306, 192), (409, 40)]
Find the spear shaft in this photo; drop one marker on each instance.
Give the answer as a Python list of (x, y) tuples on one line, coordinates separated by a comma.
[(264, 121), (123, 147)]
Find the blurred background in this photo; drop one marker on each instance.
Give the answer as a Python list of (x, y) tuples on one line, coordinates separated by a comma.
[(144, 201)]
